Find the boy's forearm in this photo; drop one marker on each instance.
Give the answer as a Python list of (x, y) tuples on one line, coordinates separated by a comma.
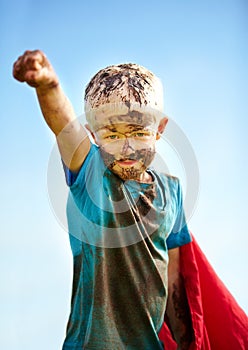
[(71, 137), (177, 310), (34, 68), (56, 107), (178, 314)]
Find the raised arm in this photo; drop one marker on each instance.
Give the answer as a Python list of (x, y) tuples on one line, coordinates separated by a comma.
[(34, 68), (177, 310)]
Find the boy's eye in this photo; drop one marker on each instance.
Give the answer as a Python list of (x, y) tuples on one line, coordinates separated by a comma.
[(141, 134), (120, 136), (111, 137)]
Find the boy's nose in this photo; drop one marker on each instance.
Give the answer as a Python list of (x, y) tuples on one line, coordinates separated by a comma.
[(127, 148)]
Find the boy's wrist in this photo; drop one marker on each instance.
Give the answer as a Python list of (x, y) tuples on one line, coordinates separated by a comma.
[(51, 87)]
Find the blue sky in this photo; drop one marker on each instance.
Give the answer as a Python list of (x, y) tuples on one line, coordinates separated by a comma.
[(199, 50)]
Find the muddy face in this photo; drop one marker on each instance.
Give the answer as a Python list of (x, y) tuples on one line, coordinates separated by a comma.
[(125, 168), (127, 149)]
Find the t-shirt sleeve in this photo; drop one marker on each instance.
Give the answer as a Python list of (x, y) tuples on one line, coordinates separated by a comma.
[(71, 176), (180, 234)]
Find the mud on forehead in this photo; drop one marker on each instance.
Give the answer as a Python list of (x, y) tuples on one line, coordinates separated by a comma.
[(107, 116), (123, 127), (133, 122)]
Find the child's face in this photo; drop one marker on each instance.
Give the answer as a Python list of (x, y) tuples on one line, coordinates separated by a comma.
[(127, 149)]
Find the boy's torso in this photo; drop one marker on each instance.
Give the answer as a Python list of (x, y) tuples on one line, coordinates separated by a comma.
[(120, 259)]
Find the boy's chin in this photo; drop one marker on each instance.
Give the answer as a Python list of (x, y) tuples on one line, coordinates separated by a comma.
[(128, 173)]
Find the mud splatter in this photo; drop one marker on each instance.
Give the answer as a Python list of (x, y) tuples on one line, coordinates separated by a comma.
[(127, 82), (144, 156)]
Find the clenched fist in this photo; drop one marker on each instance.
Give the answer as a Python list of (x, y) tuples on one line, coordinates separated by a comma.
[(34, 68)]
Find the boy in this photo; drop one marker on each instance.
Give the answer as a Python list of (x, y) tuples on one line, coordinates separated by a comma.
[(124, 218)]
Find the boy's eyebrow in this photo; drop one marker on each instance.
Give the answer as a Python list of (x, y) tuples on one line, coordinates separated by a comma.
[(108, 128), (113, 128)]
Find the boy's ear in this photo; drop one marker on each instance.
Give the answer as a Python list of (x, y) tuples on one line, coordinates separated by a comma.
[(161, 127)]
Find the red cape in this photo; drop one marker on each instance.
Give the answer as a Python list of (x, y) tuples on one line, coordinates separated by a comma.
[(218, 321)]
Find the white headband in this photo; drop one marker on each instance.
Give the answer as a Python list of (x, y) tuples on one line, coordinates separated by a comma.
[(122, 90)]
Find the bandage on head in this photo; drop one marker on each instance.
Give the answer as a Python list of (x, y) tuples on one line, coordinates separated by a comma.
[(124, 93)]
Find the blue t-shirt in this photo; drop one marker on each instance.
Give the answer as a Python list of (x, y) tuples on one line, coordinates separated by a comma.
[(120, 233)]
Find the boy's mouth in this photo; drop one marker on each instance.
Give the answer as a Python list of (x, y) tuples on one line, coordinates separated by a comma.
[(126, 162)]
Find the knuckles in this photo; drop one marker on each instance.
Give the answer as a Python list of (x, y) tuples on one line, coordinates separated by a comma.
[(27, 61), (30, 57), (33, 68)]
